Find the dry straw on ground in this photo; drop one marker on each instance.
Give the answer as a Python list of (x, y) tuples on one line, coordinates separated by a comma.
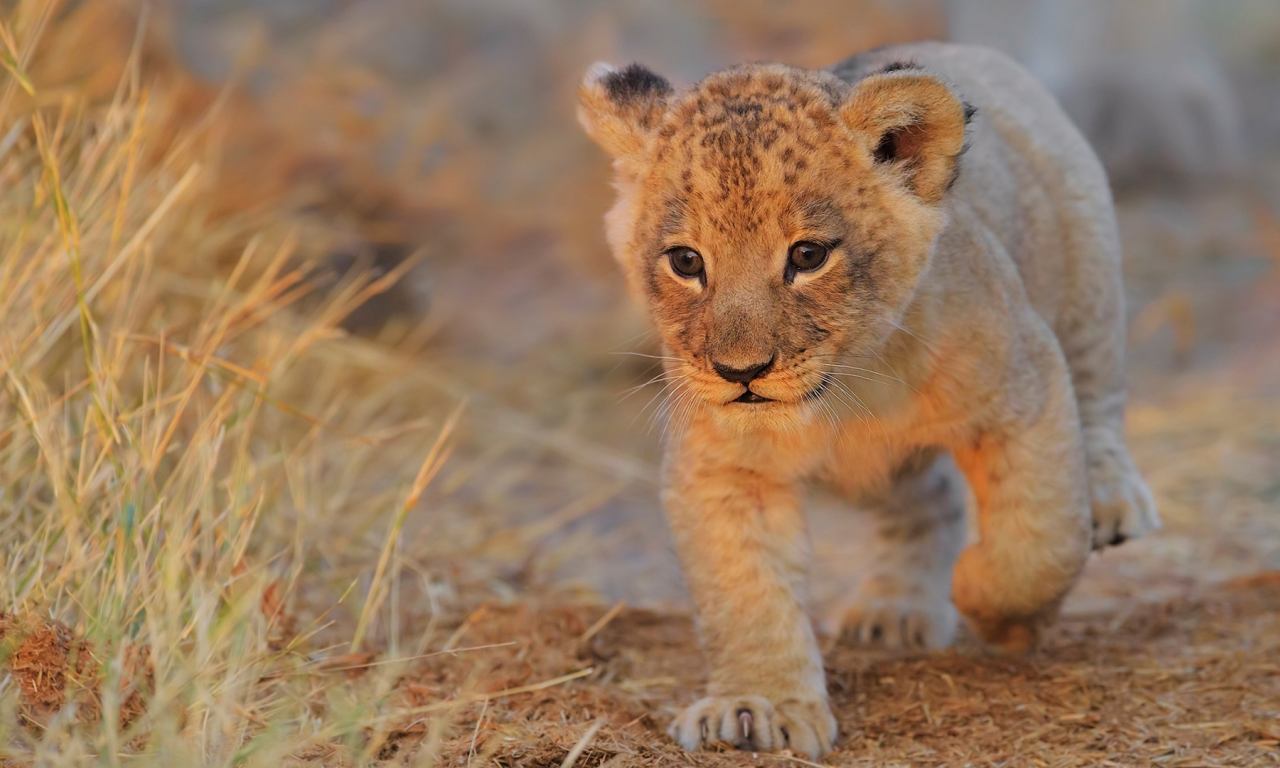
[(206, 486)]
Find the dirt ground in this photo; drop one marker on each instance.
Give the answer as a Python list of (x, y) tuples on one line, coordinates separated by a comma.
[(1190, 681)]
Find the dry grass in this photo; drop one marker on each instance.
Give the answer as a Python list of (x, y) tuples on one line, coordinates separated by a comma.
[(180, 448), (235, 535)]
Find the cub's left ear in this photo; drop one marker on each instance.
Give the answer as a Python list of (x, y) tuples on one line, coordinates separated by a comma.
[(914, 122), (621, 108)]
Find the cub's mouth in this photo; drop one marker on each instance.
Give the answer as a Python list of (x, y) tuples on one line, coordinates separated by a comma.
[(750, 397)]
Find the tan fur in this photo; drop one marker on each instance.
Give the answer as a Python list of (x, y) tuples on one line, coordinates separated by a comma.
[(970, 306)]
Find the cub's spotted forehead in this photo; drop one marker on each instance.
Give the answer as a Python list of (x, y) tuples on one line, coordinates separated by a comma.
[(767, 99), (740, 143)]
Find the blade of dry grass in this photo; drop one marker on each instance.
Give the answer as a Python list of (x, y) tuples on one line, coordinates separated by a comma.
[(177, 512)]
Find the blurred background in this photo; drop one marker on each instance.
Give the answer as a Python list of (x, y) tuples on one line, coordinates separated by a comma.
[(445, 131)]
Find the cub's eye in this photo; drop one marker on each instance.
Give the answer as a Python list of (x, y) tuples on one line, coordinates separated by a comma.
[(806, 256), (685, 261)]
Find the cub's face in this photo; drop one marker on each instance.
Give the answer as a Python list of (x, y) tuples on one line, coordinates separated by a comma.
[(774, 221)]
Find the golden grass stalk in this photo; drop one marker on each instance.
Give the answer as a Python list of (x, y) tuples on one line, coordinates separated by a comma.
[(170, 472)]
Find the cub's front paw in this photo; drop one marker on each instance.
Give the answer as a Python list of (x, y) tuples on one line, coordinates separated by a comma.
[(1007, 614), (905, 621), (1123, 507), (754, 722)]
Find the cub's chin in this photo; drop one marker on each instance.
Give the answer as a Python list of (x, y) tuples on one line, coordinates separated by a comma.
[(744, 416)]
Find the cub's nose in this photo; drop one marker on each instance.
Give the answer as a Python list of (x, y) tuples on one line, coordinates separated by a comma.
[(741, 375)]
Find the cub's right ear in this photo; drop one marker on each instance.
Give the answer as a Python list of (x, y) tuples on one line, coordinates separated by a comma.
[(620, 108)]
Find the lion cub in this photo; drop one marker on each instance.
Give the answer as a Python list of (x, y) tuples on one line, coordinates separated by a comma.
[(884, 275)]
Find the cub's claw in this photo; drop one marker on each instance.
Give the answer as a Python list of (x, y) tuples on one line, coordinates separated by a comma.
[(755, 723), (1122, 505), (906, 622)]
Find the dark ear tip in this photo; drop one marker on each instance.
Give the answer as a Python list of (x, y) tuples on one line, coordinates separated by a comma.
[(632, 83), (896, 66)]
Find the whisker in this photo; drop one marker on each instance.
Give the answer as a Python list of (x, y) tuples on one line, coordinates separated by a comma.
[(926, 342), (660, 393), (836, 419), (662, 414), (650, 357), (846, 375), (660, 378), (841, 385), (846, 395), (867, 370), (634, 339), (841, 356), (888, 365), (841, 393), (827, 360), (827, 411), (685, 416), (831, 361), (671, 407), (663, 372)]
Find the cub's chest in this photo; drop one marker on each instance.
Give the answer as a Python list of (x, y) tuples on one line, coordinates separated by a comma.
[(872, 442)]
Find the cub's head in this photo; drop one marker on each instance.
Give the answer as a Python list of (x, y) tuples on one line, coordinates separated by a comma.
[(774, 221)]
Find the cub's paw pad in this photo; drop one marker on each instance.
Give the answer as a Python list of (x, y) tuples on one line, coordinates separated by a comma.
[(1123, 507), (755, 723), (901, 623)]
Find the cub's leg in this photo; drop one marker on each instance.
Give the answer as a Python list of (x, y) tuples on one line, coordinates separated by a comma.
[(743, 544), (1092, 334), (905, 601), (1123, 507), (1026, 469)]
